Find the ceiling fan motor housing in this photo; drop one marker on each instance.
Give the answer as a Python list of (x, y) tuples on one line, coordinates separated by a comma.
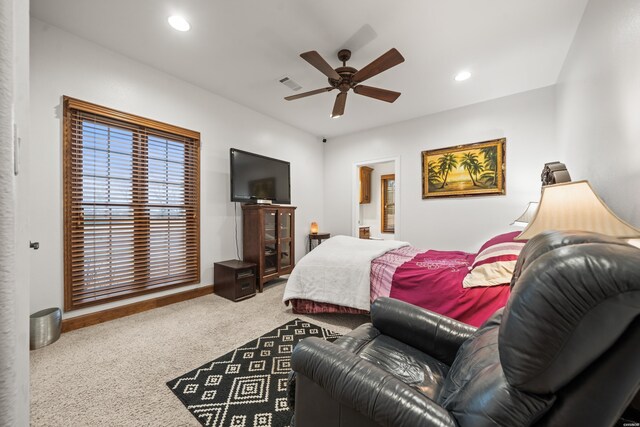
[(346, 73), (345, 83)]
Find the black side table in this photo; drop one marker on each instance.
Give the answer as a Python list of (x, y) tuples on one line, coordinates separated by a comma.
[(319, 237)]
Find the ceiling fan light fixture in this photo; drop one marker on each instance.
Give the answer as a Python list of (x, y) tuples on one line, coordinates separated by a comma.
[(337, 116), (462, 76), (179, 23)]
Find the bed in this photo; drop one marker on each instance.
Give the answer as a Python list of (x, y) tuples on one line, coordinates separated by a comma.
[(345, 274)]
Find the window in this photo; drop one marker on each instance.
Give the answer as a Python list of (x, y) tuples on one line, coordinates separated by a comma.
[(131, 205), (388, 202)]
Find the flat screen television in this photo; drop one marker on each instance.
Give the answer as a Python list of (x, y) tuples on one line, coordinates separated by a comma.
[(255, 178)]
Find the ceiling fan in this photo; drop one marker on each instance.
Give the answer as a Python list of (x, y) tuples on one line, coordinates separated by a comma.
[(345, 78)]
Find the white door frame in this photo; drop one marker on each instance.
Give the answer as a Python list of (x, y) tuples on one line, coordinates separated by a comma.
[(355, 193)]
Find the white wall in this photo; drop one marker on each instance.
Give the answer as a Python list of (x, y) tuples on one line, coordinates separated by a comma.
[(14, 272), (23, 253), (370, 213), (527, 120), (599, 104), (63, 64)]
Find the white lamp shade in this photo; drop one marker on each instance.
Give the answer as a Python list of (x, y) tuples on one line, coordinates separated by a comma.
[(527, 215), (575, 206)]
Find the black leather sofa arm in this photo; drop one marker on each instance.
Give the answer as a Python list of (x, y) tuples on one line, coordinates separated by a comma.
[(358, 384), (429, 332)]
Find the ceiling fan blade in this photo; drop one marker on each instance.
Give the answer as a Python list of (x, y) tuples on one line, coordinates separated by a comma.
[(384, 62), (305, 94), (314, 58), (338, 107), (365, 35), (377, 93)]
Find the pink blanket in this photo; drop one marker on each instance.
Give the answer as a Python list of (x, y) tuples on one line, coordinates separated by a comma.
[(433, 280)]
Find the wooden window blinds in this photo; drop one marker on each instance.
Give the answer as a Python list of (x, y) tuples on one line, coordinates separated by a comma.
[(131, 205)]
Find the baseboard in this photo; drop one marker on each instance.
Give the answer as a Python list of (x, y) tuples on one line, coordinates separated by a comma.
[(85, 320)]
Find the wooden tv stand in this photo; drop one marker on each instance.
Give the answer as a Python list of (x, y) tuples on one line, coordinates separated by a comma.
[(268, 240)]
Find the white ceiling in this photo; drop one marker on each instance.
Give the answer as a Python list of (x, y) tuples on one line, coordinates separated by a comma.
[(240, 48)]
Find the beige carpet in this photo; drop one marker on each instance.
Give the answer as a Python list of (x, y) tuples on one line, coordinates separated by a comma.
[(114, 374)]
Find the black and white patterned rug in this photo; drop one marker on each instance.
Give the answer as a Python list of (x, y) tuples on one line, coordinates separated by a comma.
[(247, 387)]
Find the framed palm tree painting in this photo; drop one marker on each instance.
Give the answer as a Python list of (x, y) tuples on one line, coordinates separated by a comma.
[(465, 170)]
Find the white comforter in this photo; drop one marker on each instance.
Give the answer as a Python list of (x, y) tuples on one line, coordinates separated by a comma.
[(337, 271)]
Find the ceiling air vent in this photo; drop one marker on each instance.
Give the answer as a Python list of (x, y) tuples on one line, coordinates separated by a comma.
[(290, 83)]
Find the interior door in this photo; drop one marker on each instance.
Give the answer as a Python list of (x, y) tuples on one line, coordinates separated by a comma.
[(388, 203)]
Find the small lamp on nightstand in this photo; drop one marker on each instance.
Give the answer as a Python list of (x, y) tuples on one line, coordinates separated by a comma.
[(314, 228)]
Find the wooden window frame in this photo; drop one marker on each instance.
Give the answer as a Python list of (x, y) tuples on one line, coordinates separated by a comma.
[(72, 105), (384, 227)]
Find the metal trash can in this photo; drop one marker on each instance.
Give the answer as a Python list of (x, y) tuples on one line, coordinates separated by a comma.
[(44, 327)]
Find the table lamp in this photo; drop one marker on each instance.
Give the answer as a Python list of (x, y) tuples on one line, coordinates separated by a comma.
[(314, 228), (575, 206), (527, 215)]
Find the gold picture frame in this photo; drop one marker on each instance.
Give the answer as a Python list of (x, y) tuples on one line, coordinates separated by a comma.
[(477, 169)]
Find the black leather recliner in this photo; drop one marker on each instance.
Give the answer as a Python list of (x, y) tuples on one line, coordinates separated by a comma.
[(565, 351)]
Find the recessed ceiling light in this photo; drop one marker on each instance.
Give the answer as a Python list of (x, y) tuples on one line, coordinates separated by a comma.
[(179, 23), (462, 76)]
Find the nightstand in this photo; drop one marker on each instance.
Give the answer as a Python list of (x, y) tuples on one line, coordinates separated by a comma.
[(234, 280), (319, 237)]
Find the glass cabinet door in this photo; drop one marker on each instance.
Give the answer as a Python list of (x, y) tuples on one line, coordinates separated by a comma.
[(270, 258), (270, 241), (270, 232), (285, 254), (285, 225), (285, 235)]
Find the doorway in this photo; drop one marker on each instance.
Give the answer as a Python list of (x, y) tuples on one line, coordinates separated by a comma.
[(376, 199)]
